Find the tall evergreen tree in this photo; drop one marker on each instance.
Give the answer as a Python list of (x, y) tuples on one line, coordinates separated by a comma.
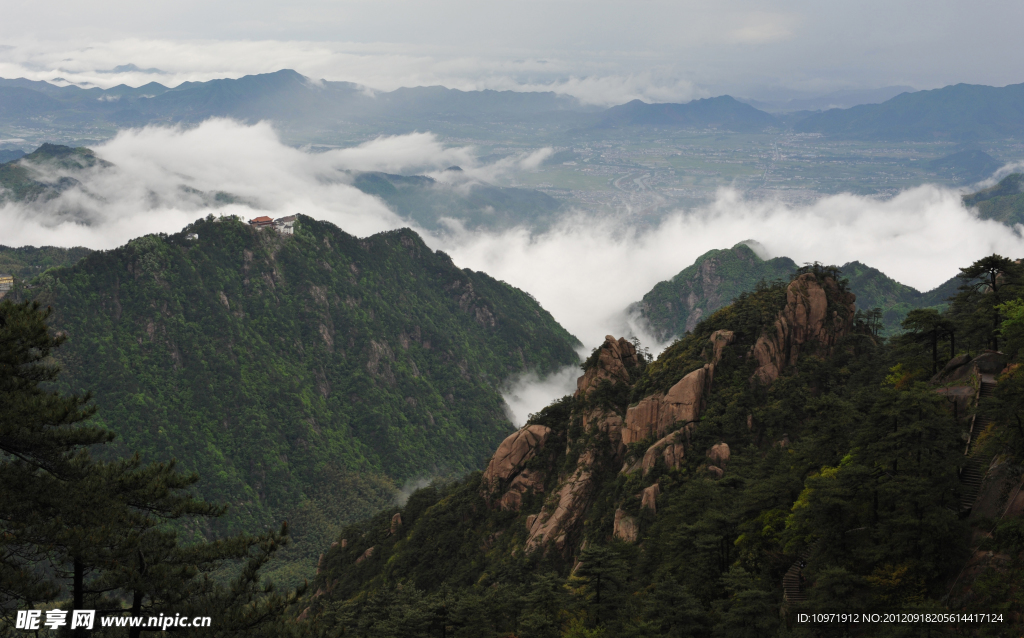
[(97, 533), (988, 283)]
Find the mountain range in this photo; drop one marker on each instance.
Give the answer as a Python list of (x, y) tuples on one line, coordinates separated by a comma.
[(957, 113), (962, 112), (779, 460)]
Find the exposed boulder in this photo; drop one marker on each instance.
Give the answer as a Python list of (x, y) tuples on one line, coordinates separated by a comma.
[(615, 357), (510, 457), (569, 504), (649, 498), (655, 414), (627, 527), (396, 523), (715, 471), (671, 449), (719, 454), (805, 321)]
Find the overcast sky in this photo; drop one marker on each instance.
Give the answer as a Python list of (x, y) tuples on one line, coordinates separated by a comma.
[(599, 50)]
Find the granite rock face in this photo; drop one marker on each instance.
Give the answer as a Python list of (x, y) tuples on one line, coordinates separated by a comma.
[(805, 323), (649, 498), (671, 450), (626, 527), (719, 454), (562, 515), (684, 401), (506, 473)]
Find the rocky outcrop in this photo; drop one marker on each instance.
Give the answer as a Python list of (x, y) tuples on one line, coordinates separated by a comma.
[(719, 454), (649, 498), (568, 504), (716, 471), (367, 554), (960, 369), (615, 358), (508, 462), (526, 481), (396, 523), (626, 527), (805, 322), (654, 415), (559, 517), (671, 450)]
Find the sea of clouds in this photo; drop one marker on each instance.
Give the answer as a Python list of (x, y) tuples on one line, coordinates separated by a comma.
[(585, 270)]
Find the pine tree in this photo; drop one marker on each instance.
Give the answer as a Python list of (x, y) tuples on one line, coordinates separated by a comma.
[(99, 532), (988, 283)]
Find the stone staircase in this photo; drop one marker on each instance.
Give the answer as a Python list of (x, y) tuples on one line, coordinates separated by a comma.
[(792, 588), (976, 464)]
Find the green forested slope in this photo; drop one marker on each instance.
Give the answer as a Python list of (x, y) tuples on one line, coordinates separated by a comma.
[(1003, 202), (299, 375), (28, 261)]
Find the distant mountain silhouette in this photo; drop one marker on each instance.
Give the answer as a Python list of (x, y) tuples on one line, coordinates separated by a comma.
[(967, 166), (723, 112), (960, 112)]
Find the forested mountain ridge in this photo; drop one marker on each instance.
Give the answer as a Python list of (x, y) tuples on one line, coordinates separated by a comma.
[(26, 262), (674, 307), (285, 96), (297, 373), (1003, 202), (676, 497), (45, 172)]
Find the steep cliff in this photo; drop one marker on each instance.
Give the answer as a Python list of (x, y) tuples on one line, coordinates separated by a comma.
[(596, 441)]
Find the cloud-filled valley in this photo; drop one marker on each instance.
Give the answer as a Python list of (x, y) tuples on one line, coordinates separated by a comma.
[(585, 269)]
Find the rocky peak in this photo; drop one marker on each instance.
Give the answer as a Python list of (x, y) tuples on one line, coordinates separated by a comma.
[(555, 524), (615, 357), (805, 323)]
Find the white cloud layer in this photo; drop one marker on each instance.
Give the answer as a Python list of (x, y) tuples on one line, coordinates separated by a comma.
[(585, 270)]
